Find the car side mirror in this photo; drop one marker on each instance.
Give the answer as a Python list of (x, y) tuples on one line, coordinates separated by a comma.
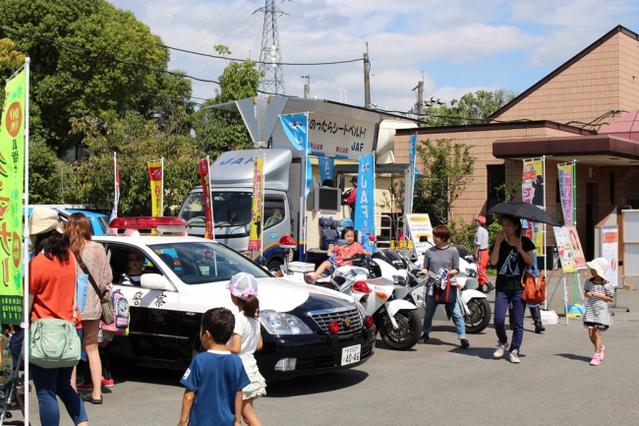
[(154, 281)]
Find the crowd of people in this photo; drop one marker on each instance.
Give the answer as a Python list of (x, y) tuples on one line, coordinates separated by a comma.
[(222, 383)]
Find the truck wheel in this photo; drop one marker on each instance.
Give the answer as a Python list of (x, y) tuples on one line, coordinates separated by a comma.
[(274, 265), (407, 333), (479, 316)]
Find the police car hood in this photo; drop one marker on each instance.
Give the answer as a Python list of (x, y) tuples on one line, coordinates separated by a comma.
[(278, 294)]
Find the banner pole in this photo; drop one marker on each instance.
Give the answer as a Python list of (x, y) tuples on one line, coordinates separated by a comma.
[(25, 248), (262, 208)]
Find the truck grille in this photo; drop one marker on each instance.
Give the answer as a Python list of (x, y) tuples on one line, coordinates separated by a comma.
[(349, 320)]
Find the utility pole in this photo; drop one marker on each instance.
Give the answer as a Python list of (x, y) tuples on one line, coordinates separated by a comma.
[(420, 96), (270, 55), (307, 86), (367, 79)]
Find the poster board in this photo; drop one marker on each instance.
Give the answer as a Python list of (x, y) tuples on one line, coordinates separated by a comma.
[(569, 249), (630, 242), (419, 226), (610, 252)]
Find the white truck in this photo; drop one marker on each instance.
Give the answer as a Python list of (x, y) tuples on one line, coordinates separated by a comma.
[(340, 131)]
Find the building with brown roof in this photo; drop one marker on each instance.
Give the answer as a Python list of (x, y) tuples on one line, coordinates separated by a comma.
[(569, 114)]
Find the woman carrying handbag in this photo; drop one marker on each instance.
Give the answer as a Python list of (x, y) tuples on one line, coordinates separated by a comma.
[(93, 262), (52, 289)]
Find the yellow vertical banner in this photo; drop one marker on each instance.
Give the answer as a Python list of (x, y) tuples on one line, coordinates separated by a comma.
[(257, 206), (12, 151), (156, 179)]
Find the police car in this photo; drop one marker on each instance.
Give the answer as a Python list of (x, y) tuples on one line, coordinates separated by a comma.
[(306, 329)]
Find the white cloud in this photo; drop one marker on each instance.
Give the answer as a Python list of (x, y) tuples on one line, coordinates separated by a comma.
[(404, 38)]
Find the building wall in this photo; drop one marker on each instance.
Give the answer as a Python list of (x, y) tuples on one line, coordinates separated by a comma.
[(628, 74), (588, 88), (473, 200)]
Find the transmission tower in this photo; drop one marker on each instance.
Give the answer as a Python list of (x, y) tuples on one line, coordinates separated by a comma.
[(273, 80)]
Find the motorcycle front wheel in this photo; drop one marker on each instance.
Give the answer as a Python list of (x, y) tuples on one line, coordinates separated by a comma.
[(407, 332), (479, 316)]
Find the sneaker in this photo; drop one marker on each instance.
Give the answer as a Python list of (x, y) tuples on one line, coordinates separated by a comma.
[(539, 328), (424, 338), (108, 383), (501, 350), (464, 343), (596, 360), (86, 386), (514, 356)]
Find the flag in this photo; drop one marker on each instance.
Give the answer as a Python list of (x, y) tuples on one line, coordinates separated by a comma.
[(567, 185), (365, 202), (116, 189), (204, 168), (326, 168), (533, 191), (12, 187), (295, 128), (156, 179), (257, 206)]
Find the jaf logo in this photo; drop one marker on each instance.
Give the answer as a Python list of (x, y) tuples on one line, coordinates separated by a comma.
[(13, 119)]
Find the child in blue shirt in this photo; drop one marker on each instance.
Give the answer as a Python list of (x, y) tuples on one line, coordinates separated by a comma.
[(215, 378)]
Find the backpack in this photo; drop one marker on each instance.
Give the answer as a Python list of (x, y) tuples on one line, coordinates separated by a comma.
[(120, 314)]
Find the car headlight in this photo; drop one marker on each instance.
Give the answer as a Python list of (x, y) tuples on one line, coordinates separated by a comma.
[(279, 323)]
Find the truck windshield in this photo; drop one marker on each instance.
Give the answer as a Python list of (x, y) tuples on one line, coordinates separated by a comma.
[(229, 208)]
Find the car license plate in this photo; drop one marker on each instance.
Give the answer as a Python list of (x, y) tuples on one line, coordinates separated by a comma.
[(351, 354)]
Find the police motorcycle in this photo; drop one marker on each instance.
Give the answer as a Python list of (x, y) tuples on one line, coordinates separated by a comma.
[(398, 266), (396, 318)]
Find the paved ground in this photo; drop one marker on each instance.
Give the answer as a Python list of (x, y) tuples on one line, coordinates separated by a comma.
[(435, 383)]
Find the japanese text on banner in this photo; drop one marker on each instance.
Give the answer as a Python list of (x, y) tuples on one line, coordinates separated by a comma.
[(566, 191), (255, 229), (532, 191), (11, 190), (156, 178), (204, 169), (365, 202)]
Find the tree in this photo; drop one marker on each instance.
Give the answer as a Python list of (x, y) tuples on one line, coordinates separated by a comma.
[(88, 58), (448, 168), (10, 60), (471, 108), (219, 131), (136, 139)]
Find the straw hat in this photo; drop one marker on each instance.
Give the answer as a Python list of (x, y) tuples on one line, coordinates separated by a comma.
[(242, 285), (599, 265), (43, 220)]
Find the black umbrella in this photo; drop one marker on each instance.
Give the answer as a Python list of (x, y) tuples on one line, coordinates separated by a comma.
[(524, 211)]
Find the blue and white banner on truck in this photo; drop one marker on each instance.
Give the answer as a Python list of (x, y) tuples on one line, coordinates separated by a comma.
[(326, 168)]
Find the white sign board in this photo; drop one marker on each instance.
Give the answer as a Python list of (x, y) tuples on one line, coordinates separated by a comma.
[(630, 242), (610, 252), (420, 228)]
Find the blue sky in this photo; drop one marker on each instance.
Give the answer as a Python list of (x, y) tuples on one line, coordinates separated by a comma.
[(460, 45)]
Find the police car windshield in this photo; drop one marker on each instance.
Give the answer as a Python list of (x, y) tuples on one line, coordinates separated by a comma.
[(229, 208), (204, 262)]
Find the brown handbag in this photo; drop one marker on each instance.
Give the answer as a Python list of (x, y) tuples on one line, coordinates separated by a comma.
[(534, 289)]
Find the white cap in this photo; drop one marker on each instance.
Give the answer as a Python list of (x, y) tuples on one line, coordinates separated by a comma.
[(242, 285)]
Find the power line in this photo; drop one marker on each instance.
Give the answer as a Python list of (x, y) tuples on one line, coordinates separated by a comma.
[(208, 55)]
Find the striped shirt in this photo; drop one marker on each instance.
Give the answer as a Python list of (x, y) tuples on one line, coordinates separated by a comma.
[(597, 309)]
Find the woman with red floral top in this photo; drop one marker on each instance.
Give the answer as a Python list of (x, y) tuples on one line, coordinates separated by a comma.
[(337, 254)]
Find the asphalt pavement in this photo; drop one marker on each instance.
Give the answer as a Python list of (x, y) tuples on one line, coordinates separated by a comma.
[(436, 383)]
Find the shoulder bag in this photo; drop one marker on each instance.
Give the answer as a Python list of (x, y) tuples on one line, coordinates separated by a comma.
[(534, 289), (54, 342), (106, 304)]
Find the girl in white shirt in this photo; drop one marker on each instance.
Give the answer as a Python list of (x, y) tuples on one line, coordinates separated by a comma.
[(247, 339)]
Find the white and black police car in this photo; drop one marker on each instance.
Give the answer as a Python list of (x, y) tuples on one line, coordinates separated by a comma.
[(306, 329)]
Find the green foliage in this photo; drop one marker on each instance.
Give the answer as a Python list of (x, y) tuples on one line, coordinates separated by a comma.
[(472, 108), (448, 168), (87, 60), (220, 131), (10, 60), (493, 229), (136, 140), (462, 234), (47, 174)]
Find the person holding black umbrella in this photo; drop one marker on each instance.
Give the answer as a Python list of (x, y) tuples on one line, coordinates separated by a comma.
[(512, 255)]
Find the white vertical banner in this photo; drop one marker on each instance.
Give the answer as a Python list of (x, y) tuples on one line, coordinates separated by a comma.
[(610, 252)]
